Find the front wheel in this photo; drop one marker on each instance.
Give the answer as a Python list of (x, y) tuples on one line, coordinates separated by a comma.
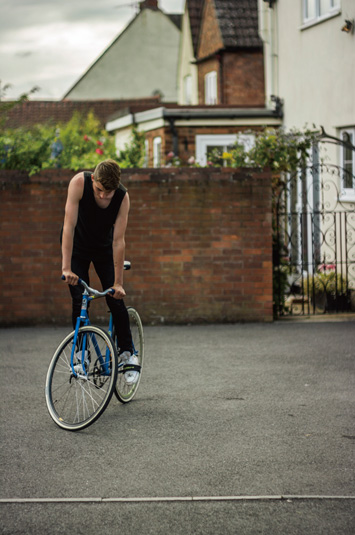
[(76, 396), (123, 390)]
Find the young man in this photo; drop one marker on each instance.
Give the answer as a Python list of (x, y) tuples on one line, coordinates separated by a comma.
[(95, 222)]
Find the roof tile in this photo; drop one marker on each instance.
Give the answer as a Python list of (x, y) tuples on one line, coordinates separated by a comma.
[(34, 112), (194, 8), (238, 22)]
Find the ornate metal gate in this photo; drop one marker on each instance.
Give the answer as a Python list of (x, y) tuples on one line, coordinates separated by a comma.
[(314, 237)]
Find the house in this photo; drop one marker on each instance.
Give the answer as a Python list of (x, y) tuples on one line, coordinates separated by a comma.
[(220, 87), (141, 62), (309, 57), (310, 65)]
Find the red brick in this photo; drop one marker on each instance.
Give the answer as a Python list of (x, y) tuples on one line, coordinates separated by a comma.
[(197, 252)]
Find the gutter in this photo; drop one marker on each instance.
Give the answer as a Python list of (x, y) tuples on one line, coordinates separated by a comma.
[(213, 112), (220, 113)]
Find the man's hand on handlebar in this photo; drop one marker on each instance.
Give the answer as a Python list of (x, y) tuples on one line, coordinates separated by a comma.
[(70, 277), (119, 292)]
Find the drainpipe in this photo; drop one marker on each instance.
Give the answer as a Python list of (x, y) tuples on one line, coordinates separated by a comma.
[(220, 78), (175, 136), (268, 27)]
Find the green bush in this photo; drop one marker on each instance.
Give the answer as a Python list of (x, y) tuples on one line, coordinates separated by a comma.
[(277, 149), (134, 152), (325, 281), (84, 144), (25, 149)]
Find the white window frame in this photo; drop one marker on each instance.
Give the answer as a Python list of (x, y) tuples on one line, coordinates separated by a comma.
[(222, 140), (211, 94), (347, 194), (307, 20), (157, 151), (146, 153)]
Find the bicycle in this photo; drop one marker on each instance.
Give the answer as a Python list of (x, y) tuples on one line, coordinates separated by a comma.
[(85, 369)]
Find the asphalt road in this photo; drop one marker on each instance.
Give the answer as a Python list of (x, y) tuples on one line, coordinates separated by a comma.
[(236, 429)]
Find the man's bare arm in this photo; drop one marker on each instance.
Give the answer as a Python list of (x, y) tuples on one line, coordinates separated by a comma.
[(75, 193), (119, 245)]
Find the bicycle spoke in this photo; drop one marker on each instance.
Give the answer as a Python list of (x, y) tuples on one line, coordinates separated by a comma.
[(74, 399), (124, 391)]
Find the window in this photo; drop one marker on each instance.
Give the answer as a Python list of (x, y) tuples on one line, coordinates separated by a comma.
[(157, 151), (211, 88), (188, 89), (146, 153), (347, 163), (217, 145), (317, 10)]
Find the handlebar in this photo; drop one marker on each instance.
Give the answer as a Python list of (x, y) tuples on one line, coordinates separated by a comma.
[(96, 293)]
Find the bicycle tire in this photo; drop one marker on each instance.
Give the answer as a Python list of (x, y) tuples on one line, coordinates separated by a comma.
[(76, 401), (125, 392)]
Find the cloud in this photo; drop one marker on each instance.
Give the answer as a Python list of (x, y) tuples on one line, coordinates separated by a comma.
[(24, 54)]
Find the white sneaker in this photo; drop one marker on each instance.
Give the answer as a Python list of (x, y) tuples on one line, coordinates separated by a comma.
[(131, 376)]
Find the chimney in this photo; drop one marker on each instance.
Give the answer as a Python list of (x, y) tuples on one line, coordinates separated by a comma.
[(148, 4)]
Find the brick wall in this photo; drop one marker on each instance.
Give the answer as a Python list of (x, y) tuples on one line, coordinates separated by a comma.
[(240, 80), (199, 241), (243, 78)]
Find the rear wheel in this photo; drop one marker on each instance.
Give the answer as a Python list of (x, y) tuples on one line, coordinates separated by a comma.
[(124, 391), (76, 396)]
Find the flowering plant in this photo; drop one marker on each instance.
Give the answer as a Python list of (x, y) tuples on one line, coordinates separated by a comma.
[(326, 280), (174, 161), (274, 148)]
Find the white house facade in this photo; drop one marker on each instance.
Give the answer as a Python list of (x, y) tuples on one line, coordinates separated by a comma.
[(310, 64), (309, 53)]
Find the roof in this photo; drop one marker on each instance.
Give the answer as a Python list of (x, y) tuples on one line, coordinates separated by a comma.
[(176, 18), (194, 8), (238, 22), (150, 5), (34, 112)]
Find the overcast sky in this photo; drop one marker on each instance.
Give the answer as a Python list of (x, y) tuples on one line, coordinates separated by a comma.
[(51, 43)]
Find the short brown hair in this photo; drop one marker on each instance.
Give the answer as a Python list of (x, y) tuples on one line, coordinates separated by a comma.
[(108, 173)]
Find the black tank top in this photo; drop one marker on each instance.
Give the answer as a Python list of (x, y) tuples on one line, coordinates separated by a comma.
[(94, 229)]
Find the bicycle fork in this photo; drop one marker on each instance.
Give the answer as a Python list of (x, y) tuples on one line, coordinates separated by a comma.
[(103, 360)]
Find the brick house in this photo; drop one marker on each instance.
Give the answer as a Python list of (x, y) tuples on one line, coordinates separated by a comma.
[(221, 91)]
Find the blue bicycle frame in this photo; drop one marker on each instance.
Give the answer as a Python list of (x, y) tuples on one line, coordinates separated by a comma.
[(83, 320)]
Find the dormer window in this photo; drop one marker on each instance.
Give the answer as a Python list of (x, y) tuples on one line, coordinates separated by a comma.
[(211, 88)]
